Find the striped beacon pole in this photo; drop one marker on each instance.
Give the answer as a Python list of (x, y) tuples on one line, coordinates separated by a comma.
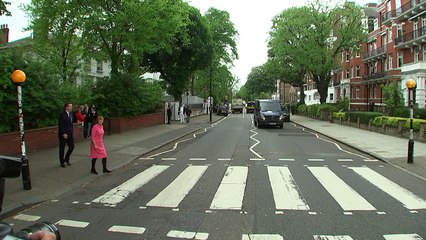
[(411, 86), (18, 78)]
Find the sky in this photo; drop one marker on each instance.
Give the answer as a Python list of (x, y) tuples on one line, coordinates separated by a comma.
[(252, 19)]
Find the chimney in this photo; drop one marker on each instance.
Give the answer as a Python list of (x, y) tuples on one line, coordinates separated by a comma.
[(4, 34)]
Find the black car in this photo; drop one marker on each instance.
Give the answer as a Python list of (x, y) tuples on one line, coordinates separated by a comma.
[(268, 113)]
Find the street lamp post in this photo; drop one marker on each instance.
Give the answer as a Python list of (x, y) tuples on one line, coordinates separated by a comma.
[(411, 86), (210, 100), (18, 78)]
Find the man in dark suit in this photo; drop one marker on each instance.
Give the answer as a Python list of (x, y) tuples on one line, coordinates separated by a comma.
[(65, 134)]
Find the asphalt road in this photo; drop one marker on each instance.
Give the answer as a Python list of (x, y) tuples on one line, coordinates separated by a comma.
[(234, 181)]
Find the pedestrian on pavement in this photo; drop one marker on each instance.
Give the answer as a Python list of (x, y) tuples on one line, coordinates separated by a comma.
[(78, 115), (97, 147), (169, 114), (182, 113), (90, 120), (188, 114), (65, 134)]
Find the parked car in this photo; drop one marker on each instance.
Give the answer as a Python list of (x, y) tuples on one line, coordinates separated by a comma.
[(222, 109), (268, 113)]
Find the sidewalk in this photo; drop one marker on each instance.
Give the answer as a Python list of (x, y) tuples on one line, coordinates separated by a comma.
[(392, 150), (49, 180)]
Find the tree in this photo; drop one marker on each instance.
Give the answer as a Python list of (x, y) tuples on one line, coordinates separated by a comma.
[(315, 35), (3, 8), (56, 26), (191, 51), (259, 83)]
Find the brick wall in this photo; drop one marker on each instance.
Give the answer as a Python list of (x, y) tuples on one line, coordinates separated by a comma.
[(36, 139), (43, 138)]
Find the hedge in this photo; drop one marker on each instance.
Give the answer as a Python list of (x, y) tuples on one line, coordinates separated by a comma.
[(364, 117), (393, 122)]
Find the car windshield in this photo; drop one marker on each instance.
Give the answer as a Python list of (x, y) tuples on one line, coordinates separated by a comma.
[(270, 106)]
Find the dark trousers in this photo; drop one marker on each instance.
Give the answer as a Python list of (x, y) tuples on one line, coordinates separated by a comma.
[(70, 142)]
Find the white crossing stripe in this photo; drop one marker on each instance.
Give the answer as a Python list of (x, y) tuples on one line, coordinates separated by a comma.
[(224, 159), (118, 194), (231, 190), (329, 237), (287, 159), (407, 198), (402, 237), (262, 237), (187, 235), (345, 160), (286, 193), (316, 160), (72, 223), (345, 196), (176, 191), (25, 217), (197, 159), (168, 159), (127, 229)]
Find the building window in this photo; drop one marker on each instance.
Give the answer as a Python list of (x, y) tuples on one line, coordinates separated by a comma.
[(358, 71), (357, 92), (347, 73), (400, 60), (390, 65), (343, 57), (347, 56), (99, 67), (415, 29), (424, 53), (416, 54), (358, 52), (399, 30), (390, 34), (352, 72), (331, 96)]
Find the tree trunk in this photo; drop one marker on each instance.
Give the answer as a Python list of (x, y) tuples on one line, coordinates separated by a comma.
[(302, 93), (322, 82)]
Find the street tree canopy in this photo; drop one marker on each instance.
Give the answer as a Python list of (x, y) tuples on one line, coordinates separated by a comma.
[(310, 38), (3, 8)]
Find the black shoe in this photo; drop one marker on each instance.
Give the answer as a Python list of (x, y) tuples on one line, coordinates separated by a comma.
[(93, 171), (107, 171), (68, 163), (63, 165)]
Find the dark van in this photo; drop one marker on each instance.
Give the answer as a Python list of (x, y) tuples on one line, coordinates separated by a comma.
[(268, 113)]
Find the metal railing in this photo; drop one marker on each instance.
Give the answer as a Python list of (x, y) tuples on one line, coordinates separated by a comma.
[(419, 33), (376, 52), (388, 15), (373, 76), (408, 6)]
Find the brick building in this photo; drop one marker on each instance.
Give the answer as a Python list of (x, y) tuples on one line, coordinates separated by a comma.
[(395, 51)]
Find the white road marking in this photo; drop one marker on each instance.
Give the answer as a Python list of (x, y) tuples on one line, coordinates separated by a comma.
[(287, 159), (176, 191), (118, 194), (187, 235), (345, 196), (407, 198), (72, 223), (197, 159), (147, 158), (224, 159), (254, 145), (25, 217), (231, 190), (312, 213), (371, 160), (127, 229), (262, 237), (286, 193), (168, 159), (329, 237), (316, 160), (402, 237), (345, 160)]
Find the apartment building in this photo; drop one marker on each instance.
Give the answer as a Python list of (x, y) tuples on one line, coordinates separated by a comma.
[(395, 51)]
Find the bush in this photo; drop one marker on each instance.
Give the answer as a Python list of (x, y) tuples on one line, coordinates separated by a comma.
[(420, 113), (402, 111), (340, 115), (364, 117), (394, 121)]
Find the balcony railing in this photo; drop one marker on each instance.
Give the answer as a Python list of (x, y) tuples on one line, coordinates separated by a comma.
[(375, 53), (410, 6), (411, 36), (388, 16), (373, 76)]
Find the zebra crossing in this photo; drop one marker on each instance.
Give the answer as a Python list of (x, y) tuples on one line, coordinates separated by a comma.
[(287, 195)]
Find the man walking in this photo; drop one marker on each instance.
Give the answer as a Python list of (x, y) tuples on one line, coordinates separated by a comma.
[(65, 134)]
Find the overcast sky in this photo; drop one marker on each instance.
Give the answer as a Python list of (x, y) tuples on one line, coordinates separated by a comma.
[(252, 19)]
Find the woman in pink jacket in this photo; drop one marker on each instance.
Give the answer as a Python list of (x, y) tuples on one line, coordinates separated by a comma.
[(97, 147)]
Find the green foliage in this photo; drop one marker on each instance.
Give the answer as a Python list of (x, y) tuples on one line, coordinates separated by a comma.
[(420, 113), (364, 117), (394, 121), (340, 115), (131, 96), (343, 104), (259, 82), (3, 8), (393, 99)]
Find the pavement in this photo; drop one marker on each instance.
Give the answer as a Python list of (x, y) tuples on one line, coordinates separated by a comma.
[(49, 180)]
